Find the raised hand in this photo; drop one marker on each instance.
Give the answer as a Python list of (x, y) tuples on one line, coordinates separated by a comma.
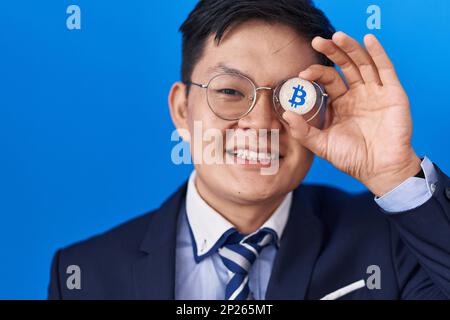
[(368, 127)]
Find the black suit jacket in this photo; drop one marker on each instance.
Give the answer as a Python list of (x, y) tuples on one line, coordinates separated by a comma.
[(332, 239)]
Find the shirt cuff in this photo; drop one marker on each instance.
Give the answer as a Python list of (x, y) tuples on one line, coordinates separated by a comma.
[(412, 193)]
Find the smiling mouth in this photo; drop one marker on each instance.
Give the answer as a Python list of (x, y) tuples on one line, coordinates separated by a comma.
[(250, 155)]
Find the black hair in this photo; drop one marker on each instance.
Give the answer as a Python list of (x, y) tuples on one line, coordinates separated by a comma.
[(215, 17)]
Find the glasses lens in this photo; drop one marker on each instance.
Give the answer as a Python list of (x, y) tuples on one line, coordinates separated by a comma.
[(230, 96)]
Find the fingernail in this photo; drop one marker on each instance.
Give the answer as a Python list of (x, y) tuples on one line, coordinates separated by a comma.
[(304, 72), (338, 36), (317, 38)]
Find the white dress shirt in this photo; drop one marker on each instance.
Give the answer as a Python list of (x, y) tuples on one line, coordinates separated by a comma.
[(199, 229)]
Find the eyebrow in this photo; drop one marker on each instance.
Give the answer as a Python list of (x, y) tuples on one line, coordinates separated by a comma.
[(222, 68)]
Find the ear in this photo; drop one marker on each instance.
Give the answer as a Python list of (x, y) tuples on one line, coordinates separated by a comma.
[(178, 107)]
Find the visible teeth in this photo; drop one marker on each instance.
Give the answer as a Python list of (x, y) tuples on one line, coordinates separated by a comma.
[(254, 156)]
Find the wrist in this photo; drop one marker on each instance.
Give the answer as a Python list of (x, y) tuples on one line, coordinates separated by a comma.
[(385, 182)]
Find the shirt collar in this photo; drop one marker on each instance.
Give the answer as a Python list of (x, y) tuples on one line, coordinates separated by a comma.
[(207, 226)]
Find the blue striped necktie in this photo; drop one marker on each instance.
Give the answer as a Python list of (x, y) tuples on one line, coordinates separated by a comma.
[(238, 253)]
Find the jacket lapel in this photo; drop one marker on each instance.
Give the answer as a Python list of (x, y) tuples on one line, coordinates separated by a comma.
[(154, 271), (299, 248)]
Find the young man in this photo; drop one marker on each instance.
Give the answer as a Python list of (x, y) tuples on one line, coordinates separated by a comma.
[(234, 233)]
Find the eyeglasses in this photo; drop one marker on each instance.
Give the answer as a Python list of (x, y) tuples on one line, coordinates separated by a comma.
[(232, 96)]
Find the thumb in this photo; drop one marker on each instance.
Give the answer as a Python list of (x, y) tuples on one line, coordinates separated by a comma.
[(307, 135)]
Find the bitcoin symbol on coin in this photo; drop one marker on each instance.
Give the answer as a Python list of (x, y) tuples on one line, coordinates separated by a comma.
[(298, 97)]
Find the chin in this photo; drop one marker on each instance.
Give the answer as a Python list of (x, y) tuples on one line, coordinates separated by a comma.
[(251, 197), (255, 190)]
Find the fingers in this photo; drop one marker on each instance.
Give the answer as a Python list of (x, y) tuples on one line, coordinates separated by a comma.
[(335, 54), (309, 136), (358, 65), (329, 77), (384, 65), (359, 56)]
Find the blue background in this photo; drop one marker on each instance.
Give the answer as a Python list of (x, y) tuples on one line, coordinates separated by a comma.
[(85, 128)]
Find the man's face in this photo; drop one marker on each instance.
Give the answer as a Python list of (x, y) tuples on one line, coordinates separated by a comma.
[(267, 54)]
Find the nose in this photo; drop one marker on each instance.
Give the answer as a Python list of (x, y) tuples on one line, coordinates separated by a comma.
[(263, 115)]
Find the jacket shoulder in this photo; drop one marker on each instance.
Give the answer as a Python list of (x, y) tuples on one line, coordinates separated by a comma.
[(99, 260), (124, 237), (336, 207), (128, 236), (106, 261)]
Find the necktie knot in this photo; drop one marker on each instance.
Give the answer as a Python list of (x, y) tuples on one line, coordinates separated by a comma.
[(238, 253)]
